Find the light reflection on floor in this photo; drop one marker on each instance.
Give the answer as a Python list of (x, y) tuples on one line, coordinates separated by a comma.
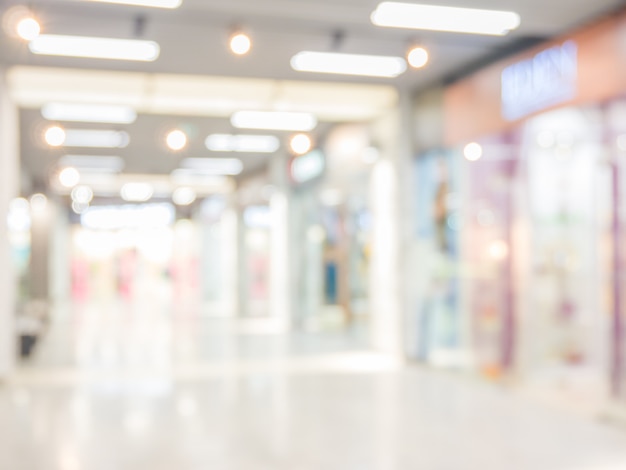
[(120, 392)]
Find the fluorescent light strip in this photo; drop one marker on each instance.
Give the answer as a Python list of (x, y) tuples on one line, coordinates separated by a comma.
[(213, 166), (185, 177), (348, 64), (76, 112), (96, 138), (271, 120), (93, 162), (143, 3), (441, 18), (95, 48), (242, 143), (137, 192)]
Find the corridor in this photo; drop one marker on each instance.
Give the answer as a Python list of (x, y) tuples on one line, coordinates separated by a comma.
[(164, 390)]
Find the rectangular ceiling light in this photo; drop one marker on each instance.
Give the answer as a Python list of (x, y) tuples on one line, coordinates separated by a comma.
[(242, 143), (137, 192), (92, 138), (348, 64), (441, 18), (94, 163), (273, 120), (201, 181), (144, 3), (96, 48), (76, 112), (213, 166)]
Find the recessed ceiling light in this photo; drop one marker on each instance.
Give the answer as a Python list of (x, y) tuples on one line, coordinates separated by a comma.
[(144, 3), (96, 138), (242, 143), (348, 64), (28, 29), (300, 144), (137, 192), (69, 177), (240, 43), (213, 166), (176, 140), (55, 136), (442, 18), (95, 48), (273, 120), (417, 57), (76, 112)]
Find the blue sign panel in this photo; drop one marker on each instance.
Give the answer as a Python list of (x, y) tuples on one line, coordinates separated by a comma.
[(547, 79)]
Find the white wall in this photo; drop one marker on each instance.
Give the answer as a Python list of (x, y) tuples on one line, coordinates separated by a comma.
[(9, 176)]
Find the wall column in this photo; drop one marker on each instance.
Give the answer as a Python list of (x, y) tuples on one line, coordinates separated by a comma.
[(9, 176)]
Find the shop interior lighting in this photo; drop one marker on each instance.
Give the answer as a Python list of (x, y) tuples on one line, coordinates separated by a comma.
[(184, 196), (171, 4), (129, 216), (444, 18), (274, 120), (348, 64), (95, 138), (137, 192), (473, 152), (18, 218), (242, 143), (95, 48), (28, 28), (76, 112), (417, 57), (93, 163), (240, 43), (213, 166)]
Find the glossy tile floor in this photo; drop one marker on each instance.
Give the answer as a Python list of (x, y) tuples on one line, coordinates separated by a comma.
[(143, 389)]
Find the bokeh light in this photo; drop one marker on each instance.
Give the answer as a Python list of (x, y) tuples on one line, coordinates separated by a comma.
[(240, 44)]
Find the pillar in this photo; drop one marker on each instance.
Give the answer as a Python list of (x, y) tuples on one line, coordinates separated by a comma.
[(389, 196), (9, 175)]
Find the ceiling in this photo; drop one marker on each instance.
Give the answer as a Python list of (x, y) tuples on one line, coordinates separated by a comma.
[(195, 61)]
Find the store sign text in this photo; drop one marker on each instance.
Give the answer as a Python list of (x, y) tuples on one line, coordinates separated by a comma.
[(549, 78)]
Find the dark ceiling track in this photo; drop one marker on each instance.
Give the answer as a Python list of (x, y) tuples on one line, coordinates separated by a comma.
[(517, 46)]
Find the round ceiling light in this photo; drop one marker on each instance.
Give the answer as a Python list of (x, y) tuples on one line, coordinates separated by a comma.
[(28, 28), (55, 136), (417, 57), (69, 177), (300, 144), (240, 43), (176, 140)]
